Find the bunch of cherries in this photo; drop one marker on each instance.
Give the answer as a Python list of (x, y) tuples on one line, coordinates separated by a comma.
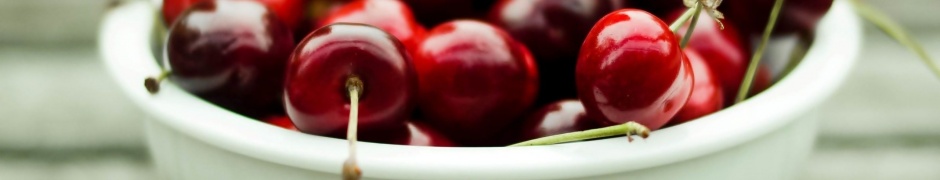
[(488, 72)]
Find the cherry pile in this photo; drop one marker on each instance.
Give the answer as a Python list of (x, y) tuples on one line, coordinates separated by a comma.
[(466, 73)]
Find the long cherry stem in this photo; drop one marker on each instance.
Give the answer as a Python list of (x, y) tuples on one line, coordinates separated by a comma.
[(688, 31), (674, 27), (629, 129), (755, 59), (896, 31), (350, 167)]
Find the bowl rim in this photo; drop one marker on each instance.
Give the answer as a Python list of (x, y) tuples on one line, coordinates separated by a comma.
[(124, 47)]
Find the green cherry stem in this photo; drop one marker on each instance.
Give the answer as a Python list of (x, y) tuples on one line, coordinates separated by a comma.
[(755, 59), (629, 129), (688, 32), (674, 27), (896, 31)]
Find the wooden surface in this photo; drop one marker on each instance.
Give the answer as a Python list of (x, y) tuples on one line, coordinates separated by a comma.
[(63, 118)]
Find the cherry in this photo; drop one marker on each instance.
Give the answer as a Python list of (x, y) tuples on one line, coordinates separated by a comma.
[(289, 12), (706, 97), (555, 118), (390, 15), (554, 31), (721, 49), (231, 53), (474, 80), (173, 8), (331, 58), (631, 69), (433, 12), (422, 135), (281, 121), (795, 15)]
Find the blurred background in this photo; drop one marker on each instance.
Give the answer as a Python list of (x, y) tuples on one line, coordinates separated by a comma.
[(62, 117)]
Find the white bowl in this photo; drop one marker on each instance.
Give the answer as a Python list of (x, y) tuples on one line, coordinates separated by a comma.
[(765, 137)]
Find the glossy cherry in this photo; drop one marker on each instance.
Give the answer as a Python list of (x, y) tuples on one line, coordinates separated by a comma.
[(631, 69), (281, 121), (554, 31), (721, 49), (393, 16), (231, 53), (555, 118), (420, 134), (315, 93), (474, 80), (289, 12), (706, 97), (795, 15)]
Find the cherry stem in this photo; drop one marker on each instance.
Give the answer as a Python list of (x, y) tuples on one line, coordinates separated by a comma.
[(350, 168), (896, 31), (688, 32), (153, 83), (674, 27), (755, 59), (629, 129)]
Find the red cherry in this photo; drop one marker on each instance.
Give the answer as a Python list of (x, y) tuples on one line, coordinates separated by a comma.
[(316, 97), (231, 53), (556, 118), (390, 15), (631, 69), (173, 8), (721, 49), (281, 121), (554, 31), (795, 15), (422, 135), (706, 95), (474, 80), (289, 12)]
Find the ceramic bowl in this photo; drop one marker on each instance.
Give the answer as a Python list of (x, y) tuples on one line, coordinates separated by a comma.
[(766, 137)]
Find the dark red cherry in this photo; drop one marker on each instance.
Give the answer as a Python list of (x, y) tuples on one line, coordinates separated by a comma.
[(434, 12), (631, 69), (420, 134), (706, 95), (289, 12), (795, 15), (555, 118), (393, 16), (281, 121), (554, 31), (721, 49), (474, 80), (316, 96), (231, 53)]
